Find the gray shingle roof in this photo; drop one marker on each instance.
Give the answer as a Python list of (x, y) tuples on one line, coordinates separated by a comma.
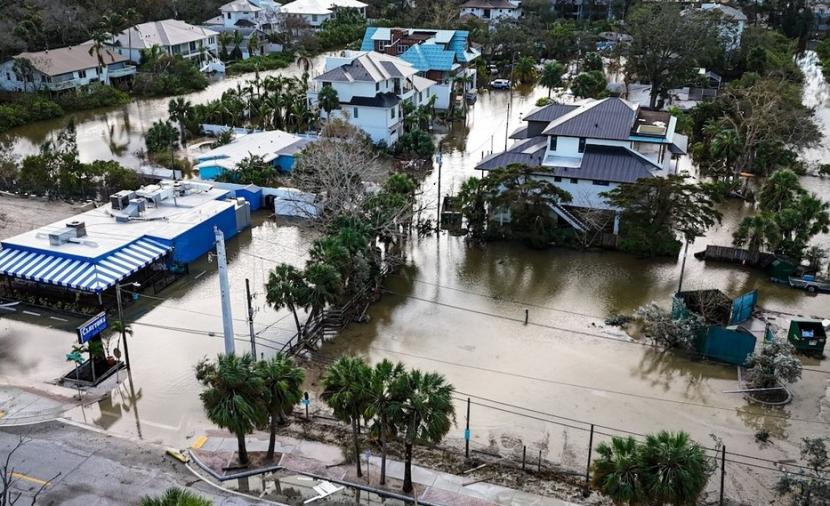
[(369, 67), (610, 118), (379, 100), (549, 112), (527, 152), (609, 163)]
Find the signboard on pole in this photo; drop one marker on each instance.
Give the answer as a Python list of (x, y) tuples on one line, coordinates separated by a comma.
[(92, 327)]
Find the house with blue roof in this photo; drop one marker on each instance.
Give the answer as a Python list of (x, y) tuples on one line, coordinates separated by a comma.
[(443, 56)]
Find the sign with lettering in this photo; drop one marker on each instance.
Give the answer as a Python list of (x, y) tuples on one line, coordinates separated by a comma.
[(92, 327)]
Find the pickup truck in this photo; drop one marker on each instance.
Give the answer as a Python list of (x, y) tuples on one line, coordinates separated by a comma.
[(810, 283)]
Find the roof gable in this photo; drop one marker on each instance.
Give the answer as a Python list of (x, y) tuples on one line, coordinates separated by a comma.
[(609, 118)]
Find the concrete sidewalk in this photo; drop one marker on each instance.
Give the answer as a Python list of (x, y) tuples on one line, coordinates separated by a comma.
[(20, 406), (431, 486)]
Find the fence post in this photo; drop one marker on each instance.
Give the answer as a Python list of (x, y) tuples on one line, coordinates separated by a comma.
[(524, 456), (467, 432), (539, 469), (588, 467), (722, 472)]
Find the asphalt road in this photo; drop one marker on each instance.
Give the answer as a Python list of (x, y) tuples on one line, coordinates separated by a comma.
[(86, 468)]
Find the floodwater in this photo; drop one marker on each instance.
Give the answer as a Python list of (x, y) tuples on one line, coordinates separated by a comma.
[(460, 310)]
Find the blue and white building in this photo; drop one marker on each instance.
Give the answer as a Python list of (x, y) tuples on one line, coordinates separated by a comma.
[(274, 146), (138, 234)]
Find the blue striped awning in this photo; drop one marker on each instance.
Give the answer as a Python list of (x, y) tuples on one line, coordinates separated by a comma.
[(87, 275)]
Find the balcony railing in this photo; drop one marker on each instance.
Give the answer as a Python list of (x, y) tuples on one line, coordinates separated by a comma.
[(126, 70), (63, 85)]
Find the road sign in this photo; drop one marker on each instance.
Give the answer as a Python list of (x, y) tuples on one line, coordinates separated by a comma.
[(466, 434), (92, 327), (74, 357)]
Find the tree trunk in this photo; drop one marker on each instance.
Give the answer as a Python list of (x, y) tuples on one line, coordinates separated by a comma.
[(243, 451), (382, 451), (273, 437), (407, 469), (652, 97), (356, 448)]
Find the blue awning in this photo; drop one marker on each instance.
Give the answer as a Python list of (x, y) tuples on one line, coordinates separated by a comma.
[(87, 275)]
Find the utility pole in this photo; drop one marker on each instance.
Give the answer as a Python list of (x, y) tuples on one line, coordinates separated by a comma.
[(440, 163), (467, 432), (224, 288), (121, 320), (250, 317), (683, 265), (510, 99)]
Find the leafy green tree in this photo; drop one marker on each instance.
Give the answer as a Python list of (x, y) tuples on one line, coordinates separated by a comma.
[(283, 382), (346, 391), (344, 29), (416, 143), (757, 233), (810, 487), (175, 497), (328, 99), (773, 366), (253, 169), (592, 62), (162, 136), (472, 200), (657, 211), (180, 110), (779, 191), (425, 413), (233, 396), (552, 76), (286, 288), (253, 45), (525, 70), (589, 84), (383, 405)]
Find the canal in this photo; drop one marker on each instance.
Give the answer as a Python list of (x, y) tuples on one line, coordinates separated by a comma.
[(458, 310)]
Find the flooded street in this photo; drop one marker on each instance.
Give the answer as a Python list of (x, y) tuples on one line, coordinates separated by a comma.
[(458, 310)]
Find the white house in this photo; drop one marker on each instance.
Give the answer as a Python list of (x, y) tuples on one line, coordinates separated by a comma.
[(274, 146), (371, 88), (733, 22), (316, 12), (62, 69), (492, 10), (592, 147), (174, 37)]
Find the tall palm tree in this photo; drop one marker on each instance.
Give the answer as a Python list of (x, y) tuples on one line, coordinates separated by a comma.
[(283, 384), (224, 39), (113, 25), (237, 40), (346, 391), (130, 18), (97, 48), (328, 99), (425, 413), (757, 232), (180, 110), (673, 468), (615, 471), (286, 288), (552, 76), (382, 405), (175, 497), (233, 397), (525, 70), (253, 44), (324, 286)]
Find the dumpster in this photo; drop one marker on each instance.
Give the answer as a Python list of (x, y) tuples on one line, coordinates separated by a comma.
[(807, 335)]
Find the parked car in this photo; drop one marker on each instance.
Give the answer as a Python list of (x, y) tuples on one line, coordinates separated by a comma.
[(810, 283), (500, 84)]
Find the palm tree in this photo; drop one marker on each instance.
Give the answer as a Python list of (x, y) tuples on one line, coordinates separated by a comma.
[(130, 18), (97, 48), (287, 288), (253, 44), (382, 405), (233, 396), (328, 99), (673, 468), (224, 39), (180, 110), (346, 391), (552, 76), (424, 412), (525, 70), (237, 40), (615, 471), (283, 384), (324, 286), (756, 233), (175, 497), (113, 24)]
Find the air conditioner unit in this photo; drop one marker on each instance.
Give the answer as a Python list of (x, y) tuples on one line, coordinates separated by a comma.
[(121, 200), (78, 226)]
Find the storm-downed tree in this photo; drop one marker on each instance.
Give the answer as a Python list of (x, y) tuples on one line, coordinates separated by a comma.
[(658, 212), (668, 46), (810, 486)]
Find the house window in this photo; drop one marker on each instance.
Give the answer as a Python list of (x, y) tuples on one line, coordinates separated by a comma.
[(82, 74), (420, 96), (574, 180), (314, 18), (552, 142), (193, 46), (377, 86), (326, 84), (393, 113), (8, 76), (582, 144), (601, 183), (229, 15), (355, 113), (557, 179)]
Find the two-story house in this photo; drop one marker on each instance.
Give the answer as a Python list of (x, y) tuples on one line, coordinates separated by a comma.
[(316, 12), (62, 69), (492, 10), (443, 56), (371, 88), (250, 18), (594, 146), (174, 37)]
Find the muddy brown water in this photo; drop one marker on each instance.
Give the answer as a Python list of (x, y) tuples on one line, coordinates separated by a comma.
[(458, 310)]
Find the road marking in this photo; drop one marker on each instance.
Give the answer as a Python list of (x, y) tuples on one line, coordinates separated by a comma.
[(22, 476), (30, 313), (59, 319), (199, 442)]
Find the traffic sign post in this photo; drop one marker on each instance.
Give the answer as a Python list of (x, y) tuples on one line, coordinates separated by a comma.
[(306, 402), (75, 356)]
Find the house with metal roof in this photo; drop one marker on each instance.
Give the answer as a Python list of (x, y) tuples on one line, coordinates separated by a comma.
[(137, 236), (732, 23), (591, 147), (443, 56), (276, 147), (316, 12), (174, 37), (63, 68), (370, 88), (492, 10)]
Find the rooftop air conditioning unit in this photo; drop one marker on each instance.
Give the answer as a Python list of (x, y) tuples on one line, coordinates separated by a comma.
[(61, 237), (121, 200), (78, 226)]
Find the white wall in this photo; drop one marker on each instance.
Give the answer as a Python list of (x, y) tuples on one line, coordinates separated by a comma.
[(10, 82), (230, 18), (584, 193), (135, 54), (495, 14), (377, 122)]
